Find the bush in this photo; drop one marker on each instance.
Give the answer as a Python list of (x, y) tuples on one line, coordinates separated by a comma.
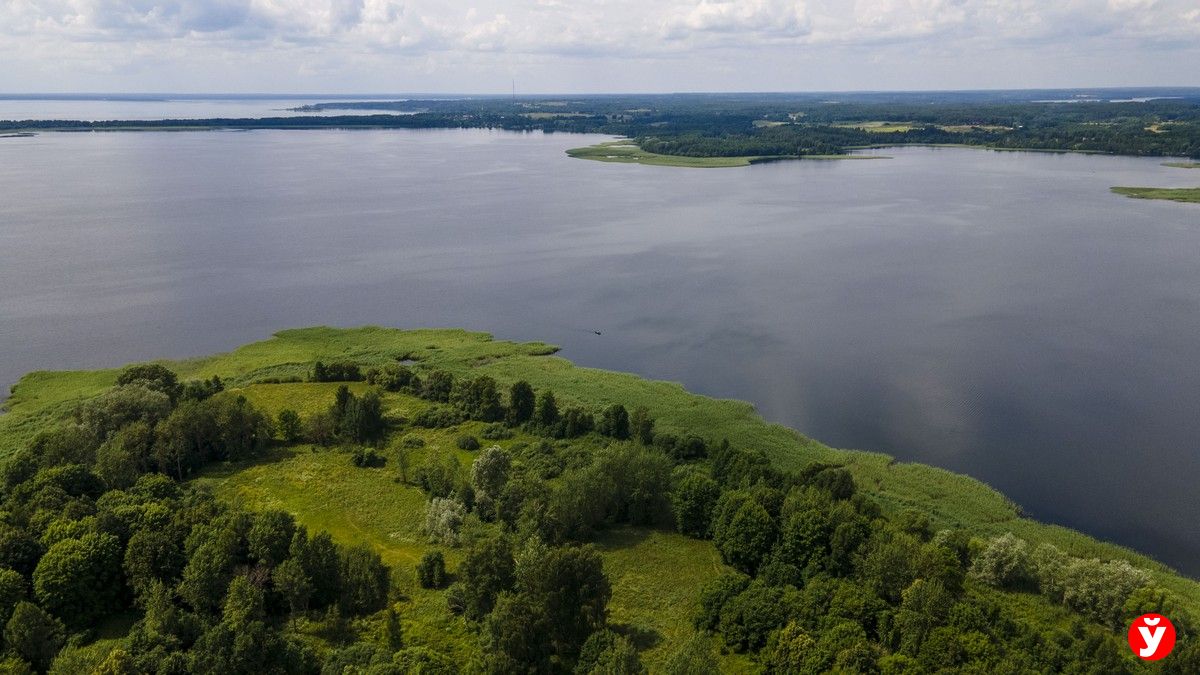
[(1004, 563), (336, 372), (443, 521), (467, 442), (431, 571), (438, 417), (367, 458), (496, 432), (412, 442)]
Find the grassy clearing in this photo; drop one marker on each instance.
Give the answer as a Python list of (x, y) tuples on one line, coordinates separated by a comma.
[(655, 574), (1187, 195), (1183, 165), (627, 152)]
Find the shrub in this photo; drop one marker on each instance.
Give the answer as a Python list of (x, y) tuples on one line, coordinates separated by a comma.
[(438, 417), (1004, 563), (289, 426), (443, 520), (412, 442), (467, 442), (336, 372), (431, 571), (367, 458), (496, 432)]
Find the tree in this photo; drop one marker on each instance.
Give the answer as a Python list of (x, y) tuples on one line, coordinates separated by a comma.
[(18, 550), (791, 649), (1004, 563), (78, 579), (127, 454), (487, 570), (444, 519), (693, 500), (568, 582), (289, 425), (607, 653), (924, 607), (747, 538), (714, 595), (431, 571), (748, 618), (13, 589), (437, 386), (318, 555), (119, 406), (244, 602), (479, 398), (514, 636), (641, 426), (545, 416), (152, 376), (489, 471), (290, 581), (521, 402), (614, 422), (270, 537), (152, 555), (364, 580), (390, 632), (33, 634)]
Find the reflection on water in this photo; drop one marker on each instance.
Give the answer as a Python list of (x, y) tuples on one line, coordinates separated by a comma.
[(999, 314)]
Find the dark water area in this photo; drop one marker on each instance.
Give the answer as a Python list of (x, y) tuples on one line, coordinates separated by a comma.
[(994, 313)]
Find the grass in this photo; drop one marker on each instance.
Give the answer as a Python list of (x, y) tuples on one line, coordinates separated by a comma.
[(627, 152), (655, 574), (1187, 195), (1183, 165)]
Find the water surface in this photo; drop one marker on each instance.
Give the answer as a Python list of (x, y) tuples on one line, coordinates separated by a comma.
[(998, 314)]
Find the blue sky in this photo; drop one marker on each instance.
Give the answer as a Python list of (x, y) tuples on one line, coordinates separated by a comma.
[(335, 46)]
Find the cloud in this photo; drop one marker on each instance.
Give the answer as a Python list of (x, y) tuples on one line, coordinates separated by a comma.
[(489, 34)]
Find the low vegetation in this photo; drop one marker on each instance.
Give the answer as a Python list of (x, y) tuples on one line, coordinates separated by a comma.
[(465, 505), (1188, 195)]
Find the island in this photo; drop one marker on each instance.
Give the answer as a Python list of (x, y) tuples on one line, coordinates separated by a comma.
[(437, 501)]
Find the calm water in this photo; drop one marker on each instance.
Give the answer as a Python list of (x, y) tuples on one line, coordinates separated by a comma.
[(999, 314)]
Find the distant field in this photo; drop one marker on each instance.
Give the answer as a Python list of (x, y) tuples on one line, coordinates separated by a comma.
[(1187, 195), (1183, 165)]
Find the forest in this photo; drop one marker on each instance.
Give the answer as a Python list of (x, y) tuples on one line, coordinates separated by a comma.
[(1148, 123), (119, 552)]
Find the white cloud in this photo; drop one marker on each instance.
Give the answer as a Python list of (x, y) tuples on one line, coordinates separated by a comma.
[(485, 35)]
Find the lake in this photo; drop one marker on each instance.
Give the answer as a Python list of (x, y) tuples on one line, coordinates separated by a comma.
[(995, 313)]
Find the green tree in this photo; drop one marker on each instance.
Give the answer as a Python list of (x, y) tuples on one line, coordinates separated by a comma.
[(33, 634), (152, 555), (747, 538), (78, 579), (152, 376), (521, 403), (607, 653), (13, 589), (270, 536), (569, 584), (289, 425), (291, 582), (693, 500), (486, 571), (545, 416), (431, 571), (614, 422), (364, 580), (514, 636), (437, 386), (641, 426)]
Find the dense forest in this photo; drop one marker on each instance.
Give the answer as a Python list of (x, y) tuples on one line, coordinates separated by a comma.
[(1149, 123), (105, 534)]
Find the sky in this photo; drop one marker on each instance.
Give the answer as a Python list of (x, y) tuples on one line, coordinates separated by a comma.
[(566, 46)]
